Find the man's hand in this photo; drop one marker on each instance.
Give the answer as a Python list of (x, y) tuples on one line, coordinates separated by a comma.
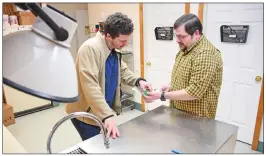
[(165, 88), (145, 85), (111, 128), (152, 96)]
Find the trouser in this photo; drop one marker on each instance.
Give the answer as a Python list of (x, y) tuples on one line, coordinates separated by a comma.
[(85, 131)]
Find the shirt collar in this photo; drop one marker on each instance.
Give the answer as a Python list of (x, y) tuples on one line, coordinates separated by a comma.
[(194, 45), (101, 38)]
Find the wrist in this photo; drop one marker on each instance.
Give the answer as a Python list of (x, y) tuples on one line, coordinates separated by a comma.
[(169, 87), (162, 96), (166, 95), (139, 81), (108, 117)]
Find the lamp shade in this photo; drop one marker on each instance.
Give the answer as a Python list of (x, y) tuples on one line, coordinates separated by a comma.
[(38, 66)]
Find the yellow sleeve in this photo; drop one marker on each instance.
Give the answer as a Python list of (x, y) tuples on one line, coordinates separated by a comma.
[(203, 70)]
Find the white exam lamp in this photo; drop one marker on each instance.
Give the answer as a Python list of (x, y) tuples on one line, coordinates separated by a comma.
[(38, 61)]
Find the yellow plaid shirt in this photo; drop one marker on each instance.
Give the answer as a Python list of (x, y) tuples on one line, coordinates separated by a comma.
[(198, 70)]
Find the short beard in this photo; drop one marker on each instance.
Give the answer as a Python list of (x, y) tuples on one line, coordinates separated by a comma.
[(184, 48), (110, 44)]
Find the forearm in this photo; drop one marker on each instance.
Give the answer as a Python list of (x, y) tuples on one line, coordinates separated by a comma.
[(137, 83), (181, 95), (127, 76), (129, 79)]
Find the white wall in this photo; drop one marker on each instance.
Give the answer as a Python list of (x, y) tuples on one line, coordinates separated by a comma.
[(98, 12), (69, 7), (21, 101), (194, 8)]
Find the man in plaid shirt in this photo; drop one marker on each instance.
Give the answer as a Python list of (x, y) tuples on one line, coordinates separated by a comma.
[(197, 73)]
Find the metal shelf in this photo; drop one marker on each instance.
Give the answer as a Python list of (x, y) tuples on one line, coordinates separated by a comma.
[(126, 96), (127, 53), (126, 102)]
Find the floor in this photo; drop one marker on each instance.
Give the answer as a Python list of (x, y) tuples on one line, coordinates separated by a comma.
[(32, 131)]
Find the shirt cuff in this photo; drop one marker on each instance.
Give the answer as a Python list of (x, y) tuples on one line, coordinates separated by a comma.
[(137, 82), (194, 92), (107, 118)]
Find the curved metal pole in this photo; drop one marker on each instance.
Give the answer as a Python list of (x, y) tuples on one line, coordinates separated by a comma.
[(74, 115)]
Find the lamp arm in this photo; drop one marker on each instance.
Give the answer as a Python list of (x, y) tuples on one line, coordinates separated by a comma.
[(61, 34)]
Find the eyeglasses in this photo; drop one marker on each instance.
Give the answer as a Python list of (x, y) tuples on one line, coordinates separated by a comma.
[(181, 37)]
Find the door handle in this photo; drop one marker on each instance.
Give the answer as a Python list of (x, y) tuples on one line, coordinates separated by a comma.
[(258, 78), (148, 63)]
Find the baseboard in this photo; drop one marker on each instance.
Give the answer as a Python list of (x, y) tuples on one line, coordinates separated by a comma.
[(261, 147), (33, 110), (55, 104)]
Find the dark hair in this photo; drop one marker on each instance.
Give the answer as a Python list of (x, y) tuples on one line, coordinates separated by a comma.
[(118, 24), (191, 21)]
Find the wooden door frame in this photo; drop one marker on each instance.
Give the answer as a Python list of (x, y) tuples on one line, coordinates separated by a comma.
[(257, 129), (259, 117), (200, 12), (187, 8), (141, 33)]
